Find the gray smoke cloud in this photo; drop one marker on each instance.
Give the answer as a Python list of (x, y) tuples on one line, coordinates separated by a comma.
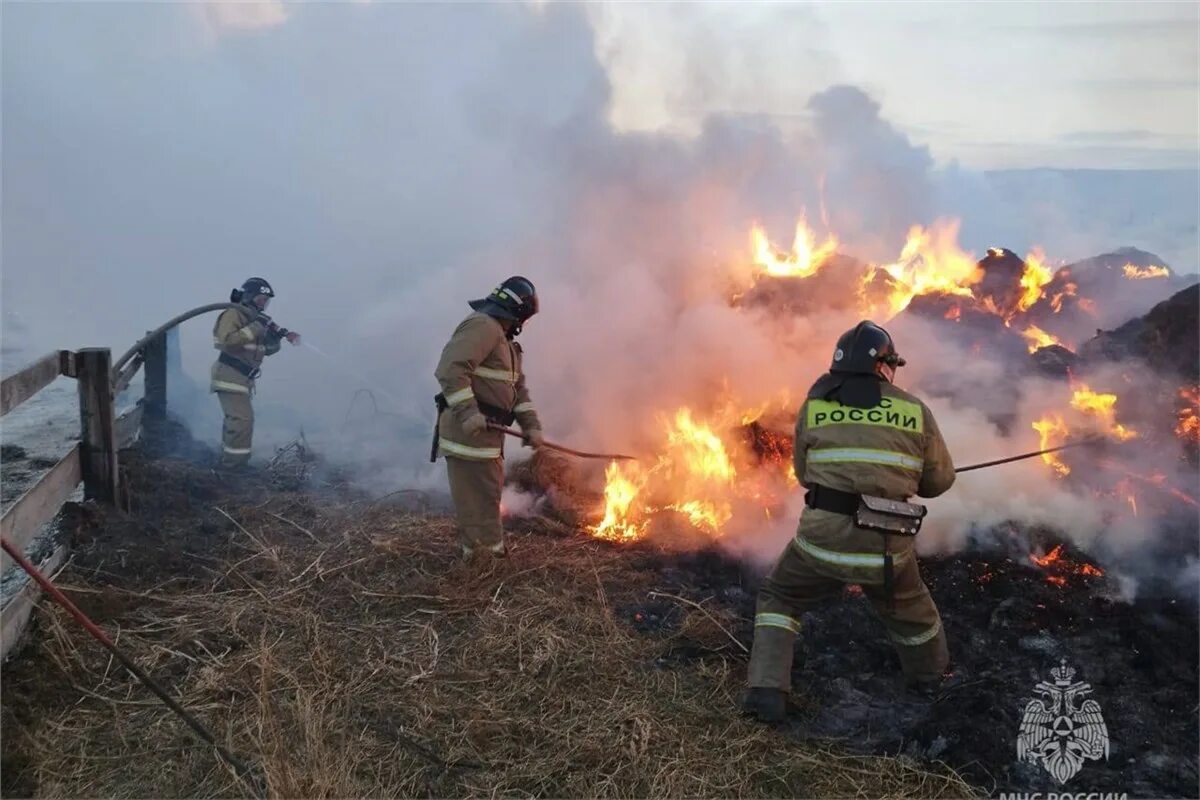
[(383, 164)]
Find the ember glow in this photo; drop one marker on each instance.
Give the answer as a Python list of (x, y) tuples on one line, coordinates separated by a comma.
[(1060, 569), (805, 258), (1136, 273), (1187, 426)]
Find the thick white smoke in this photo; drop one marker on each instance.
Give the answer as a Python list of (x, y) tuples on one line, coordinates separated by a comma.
[(383, 164)]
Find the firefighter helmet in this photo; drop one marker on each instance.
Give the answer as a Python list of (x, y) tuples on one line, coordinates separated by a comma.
[(252, 288), (862, 349), (516, 300)]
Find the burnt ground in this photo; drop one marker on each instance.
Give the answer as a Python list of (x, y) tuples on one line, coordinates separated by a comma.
[(1007, 625), (643, 654)]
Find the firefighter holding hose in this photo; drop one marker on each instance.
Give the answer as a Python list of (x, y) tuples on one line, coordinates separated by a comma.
[(244, 336), (483, 386), (863, 447)]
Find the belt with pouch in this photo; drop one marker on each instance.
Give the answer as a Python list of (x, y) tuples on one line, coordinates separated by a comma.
[(496, 414), (871, 513), (248, 370)]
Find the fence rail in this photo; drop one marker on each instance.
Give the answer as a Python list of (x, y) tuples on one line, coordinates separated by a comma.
[(93, 461)]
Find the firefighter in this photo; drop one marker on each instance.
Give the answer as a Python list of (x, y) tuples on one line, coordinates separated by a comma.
[(482, 383), (862, 448), (244, 336)]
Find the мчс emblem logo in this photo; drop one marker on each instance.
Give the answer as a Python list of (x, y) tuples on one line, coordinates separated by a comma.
[(1062, 730)]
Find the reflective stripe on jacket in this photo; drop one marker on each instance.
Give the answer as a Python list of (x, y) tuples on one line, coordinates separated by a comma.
[(892, 450), (480, 364), (238, 334)]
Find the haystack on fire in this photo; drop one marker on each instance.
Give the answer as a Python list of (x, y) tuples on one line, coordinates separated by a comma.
[(724, 464)]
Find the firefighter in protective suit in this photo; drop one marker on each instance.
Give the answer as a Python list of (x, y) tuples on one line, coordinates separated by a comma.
[(862, 448), (482, 382), (243, 336)]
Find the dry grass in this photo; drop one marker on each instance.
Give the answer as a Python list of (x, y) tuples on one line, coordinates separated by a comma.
[(345, 650)]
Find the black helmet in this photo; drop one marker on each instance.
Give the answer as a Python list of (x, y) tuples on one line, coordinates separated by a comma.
[(860, 349), (251, 289), (514, 300)]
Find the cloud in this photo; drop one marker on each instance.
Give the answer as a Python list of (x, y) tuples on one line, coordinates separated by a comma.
[(1139, 84), (256, 15), (1180, 26)]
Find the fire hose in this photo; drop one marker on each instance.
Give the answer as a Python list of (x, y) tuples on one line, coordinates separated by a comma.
[(171, 323), (560, 448), (1023, 456), (99, 635)]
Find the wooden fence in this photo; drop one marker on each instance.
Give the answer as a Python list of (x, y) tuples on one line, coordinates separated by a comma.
[(93, 461)]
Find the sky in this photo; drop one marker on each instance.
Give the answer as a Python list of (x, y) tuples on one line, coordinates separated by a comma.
[(989, 85)]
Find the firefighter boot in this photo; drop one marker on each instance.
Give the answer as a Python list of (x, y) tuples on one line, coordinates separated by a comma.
[(765, 704)]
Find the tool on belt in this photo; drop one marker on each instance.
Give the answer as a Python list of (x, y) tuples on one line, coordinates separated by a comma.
[(249, 371), (879, 514), (560, 448), (495, 416)]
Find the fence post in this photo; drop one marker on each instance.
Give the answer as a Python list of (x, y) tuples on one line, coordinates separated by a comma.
[(155, 355), (98, 432)]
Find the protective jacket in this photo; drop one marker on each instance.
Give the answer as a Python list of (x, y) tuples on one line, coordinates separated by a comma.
[(890, 449), (480, 372), (893, 450), (243, 342)]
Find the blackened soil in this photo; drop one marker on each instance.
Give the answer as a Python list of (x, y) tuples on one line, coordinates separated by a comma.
[(1008, 625)]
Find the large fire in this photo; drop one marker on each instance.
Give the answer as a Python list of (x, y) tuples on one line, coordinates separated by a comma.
[(712, 466), (696, 475)]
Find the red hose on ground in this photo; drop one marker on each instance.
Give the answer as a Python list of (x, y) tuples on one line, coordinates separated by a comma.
[(99, 635)]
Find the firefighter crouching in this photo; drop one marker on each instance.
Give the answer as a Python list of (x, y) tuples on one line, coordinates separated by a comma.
[(244, 336), (863, 447), (482, 381)]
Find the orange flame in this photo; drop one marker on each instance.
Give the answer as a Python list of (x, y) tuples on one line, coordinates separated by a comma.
[(930, 263), (1052, 431), (1104, 407), (1062, 567), (1136, 273), (1035, 276), (695, 476), (1049, 558), (1069, 290), (805, 258), (620, 491), (1038, 338), (1188, 424)]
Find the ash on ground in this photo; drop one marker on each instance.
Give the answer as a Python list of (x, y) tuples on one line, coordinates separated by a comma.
[(1009, 622)]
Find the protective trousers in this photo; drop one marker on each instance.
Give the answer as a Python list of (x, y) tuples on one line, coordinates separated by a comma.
[(237, 432), (800, 582), (475, 487)]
